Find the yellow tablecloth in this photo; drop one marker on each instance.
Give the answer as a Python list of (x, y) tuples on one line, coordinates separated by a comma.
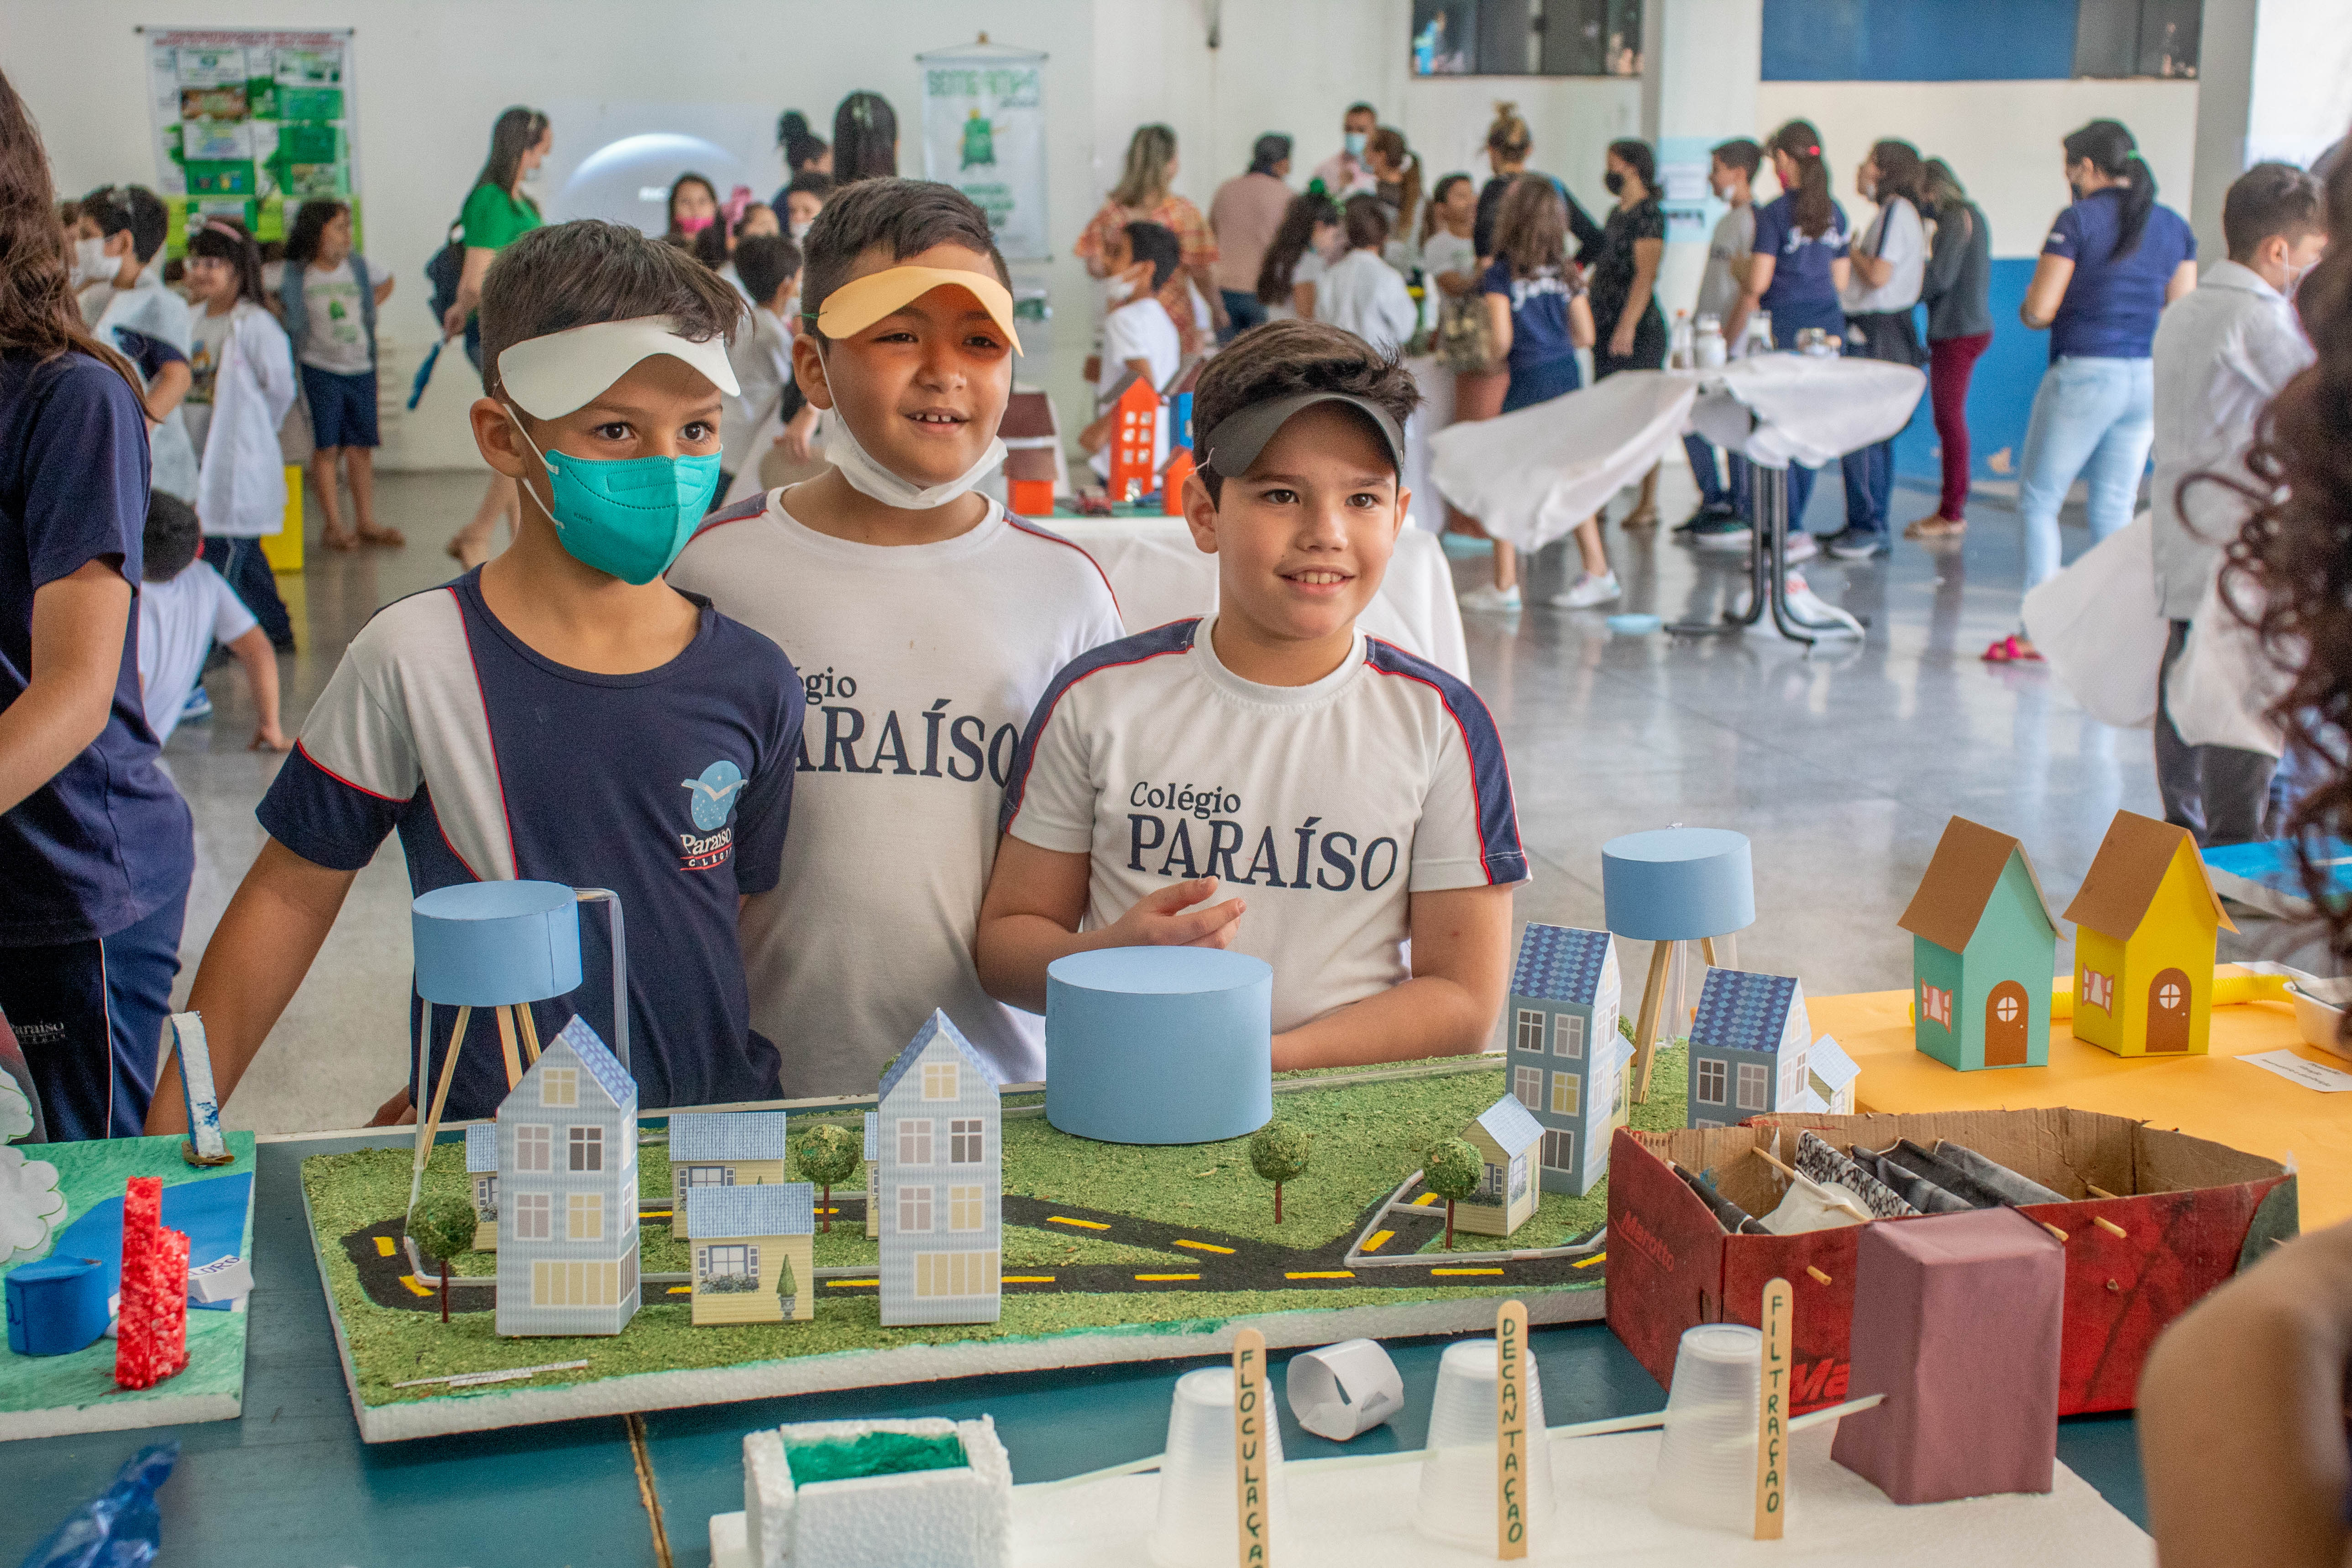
[(2210, 1096)]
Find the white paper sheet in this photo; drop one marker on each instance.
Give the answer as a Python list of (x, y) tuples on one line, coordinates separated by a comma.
[(2310, 1074)]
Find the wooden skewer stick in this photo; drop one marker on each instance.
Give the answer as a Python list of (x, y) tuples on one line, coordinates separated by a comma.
[(1707, 950), (2052, 1229), (530, 1034), (2110, 1226), (1785, 1170), (1819, 1278), (507, 1046), (2097, 1191), (430, 1123), (1645, 1030)]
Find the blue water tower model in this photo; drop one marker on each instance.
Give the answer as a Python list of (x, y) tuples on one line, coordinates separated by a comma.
[(1669, 887)]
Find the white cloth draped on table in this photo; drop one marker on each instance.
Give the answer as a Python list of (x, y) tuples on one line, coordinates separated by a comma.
[(1531, 476)]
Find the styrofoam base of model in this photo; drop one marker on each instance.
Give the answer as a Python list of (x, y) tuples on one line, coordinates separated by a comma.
[(119, 1416), (489, 1409), (1363, 1518)]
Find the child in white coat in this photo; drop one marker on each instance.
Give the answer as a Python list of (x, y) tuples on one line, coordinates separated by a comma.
[(244, 369)]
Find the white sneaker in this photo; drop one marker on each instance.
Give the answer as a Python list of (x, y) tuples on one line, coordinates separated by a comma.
[(1589, 591), (1487, 599), (1800, 547)]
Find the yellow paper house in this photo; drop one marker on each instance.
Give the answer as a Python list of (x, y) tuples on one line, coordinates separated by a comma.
[(1508, 1139), (2146, 921), (754, 1254)]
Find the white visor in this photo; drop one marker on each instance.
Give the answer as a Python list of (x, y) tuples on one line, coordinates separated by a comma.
[(563, 372)]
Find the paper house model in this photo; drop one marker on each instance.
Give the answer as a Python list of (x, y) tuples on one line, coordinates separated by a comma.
[(1566, 1059), (1984, 945), (1035, 468), (928, 1493), (754, 1253), (1832, 1075), (1508, 1139), (939, 1182), (1134, 439), (568, 1192), (2145, 931), (872, 1164), (721, 1149), (482, 1182), (1748, 1044)]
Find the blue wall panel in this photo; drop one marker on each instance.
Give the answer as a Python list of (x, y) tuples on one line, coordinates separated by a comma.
[(2000, 395), (1919, 40)]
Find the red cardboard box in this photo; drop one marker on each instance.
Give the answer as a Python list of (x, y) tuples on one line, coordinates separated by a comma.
[(2192, 1214)]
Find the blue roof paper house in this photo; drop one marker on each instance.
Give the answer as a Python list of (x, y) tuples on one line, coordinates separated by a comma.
[(568, 1192), (754, 1253), (1566, 1059), (1748, 1044), (721, 1149), (939, 1182), (482, 1176), (1507, 1138), (1833, 1075)]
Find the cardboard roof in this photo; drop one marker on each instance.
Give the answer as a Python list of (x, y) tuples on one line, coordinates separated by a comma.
[(601, 1064), (1742, 1011), (1963, 872), (2127, 870), (1028, 417), (779, 1209), (1511, 1125), (704, 1135), (1559, 964), (482, 1146), (938, 1025), (1031, 463), (1827, 1061), (872, 1135)]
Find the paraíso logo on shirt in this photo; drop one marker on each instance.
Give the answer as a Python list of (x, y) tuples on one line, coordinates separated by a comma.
[(935, 743), (711, 800), (1303, 858)]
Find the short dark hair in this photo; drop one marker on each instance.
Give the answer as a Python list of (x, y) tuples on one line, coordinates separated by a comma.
[(171, 540), (574, 274), (1361, 107), (135, 208), (1739, 153), (1367, 223), (1635, 155), (1268, 149), (812, 183), (1282, 359), (766, 262), (2268, 199), (905, 216), (1157, 244)]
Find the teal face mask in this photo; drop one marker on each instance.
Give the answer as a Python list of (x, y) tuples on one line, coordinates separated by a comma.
[(627, 516)]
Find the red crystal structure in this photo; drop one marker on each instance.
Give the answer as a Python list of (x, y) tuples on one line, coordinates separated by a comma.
[(151, 1341)]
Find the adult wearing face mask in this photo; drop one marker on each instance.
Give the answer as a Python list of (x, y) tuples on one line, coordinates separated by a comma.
[(497, 214), (2219, 358), (2113, 261), (1347, 173)]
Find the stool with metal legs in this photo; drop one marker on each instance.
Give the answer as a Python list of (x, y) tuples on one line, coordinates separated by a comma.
[(1768, 566)]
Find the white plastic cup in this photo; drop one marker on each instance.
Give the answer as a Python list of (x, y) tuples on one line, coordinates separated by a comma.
[(1707, 1463), (1457, 1470), (1199, 1521)]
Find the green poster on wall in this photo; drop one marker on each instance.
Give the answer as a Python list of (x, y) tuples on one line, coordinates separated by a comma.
[(248, 119)]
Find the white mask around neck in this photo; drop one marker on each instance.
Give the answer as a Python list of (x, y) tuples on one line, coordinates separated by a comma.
[(870, 478)]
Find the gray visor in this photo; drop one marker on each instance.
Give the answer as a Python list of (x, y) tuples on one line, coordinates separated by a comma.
[(1239, 437)]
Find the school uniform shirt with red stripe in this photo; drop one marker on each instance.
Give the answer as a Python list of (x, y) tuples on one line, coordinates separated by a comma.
[(1322, 807), (671, 787)]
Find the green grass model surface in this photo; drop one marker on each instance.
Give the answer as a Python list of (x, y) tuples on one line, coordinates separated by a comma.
[(1097, 1235)]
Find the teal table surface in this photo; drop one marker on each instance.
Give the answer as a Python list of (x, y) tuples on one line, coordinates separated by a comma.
[(291, 1483)]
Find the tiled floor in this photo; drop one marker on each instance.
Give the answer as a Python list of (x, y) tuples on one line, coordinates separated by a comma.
[(1842, 765)]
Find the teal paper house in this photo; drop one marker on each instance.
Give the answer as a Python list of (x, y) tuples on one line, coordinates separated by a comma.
[(1748, 1044), (1983, 947), (1566, 1059)]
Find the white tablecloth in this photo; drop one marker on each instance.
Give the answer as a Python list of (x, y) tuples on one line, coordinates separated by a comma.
[(1160, 577), (1531, 476), (1807, 409)]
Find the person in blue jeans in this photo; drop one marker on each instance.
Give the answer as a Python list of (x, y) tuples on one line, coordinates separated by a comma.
[(2113, 261), (1798, 272)]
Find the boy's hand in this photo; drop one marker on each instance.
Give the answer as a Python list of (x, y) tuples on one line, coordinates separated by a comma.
[(1167, 919), (396, 1111), (270, 738)]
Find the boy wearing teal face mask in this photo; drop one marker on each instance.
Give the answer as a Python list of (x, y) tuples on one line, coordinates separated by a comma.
[(560, 713)]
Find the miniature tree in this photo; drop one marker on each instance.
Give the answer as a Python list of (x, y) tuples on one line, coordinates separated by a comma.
[(1451, 1169), (1279, 1153), (787, 1287), (830, 1153), (442, 1228)]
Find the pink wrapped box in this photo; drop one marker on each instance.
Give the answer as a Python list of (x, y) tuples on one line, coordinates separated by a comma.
[(1957, 1320)]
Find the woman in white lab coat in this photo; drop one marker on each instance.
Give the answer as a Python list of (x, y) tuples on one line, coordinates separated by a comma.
[(244, 385)]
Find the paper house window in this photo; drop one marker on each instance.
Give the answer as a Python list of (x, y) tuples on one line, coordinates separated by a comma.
[(586, 1147), (914, 1208), (914, 1140), (1753, 1082), (2007, 1007), (1567, 1094), (1936, 1003), (558, 1086), (1530, 1026), (730, 1262), (1710, 1082), (967, 1208), (710, 1175), (1490, 1185), (531, 1217), (955, 1273), (1518, 1177), (965, 1141), (554, 1284), (1559, 1151), (1568, 1037), (938, 1080), (1527, 1087), (583, 1217), (2098, 991), (534, 1147)]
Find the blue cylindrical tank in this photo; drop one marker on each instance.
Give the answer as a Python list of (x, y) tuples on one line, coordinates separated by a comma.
[(1159, 1044)]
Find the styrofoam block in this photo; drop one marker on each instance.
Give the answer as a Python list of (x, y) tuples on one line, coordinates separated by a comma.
[(959, 1517), (729, 1548), (767, 1496), (222, 1279)]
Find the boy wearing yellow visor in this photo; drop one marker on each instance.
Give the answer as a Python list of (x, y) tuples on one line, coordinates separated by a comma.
[(925, 620), (560, 713)]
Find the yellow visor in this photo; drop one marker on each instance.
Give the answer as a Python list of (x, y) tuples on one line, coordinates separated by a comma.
[(854, 307)]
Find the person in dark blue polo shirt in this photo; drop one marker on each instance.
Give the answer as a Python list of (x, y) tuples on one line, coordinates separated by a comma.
[(2113, 261), (96, 846)]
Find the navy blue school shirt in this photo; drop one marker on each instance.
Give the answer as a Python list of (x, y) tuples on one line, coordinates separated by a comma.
[(1801, 294), (149, 355), (108, 841), (2112, 302), (1538, 314), (671, 787)]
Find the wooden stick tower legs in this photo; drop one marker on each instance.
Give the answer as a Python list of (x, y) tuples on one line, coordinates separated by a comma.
[(508, 1047), (428, 1123), (1646, 1027), (1511, 1457)]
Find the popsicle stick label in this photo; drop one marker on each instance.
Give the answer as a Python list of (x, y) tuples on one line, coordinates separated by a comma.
[(1772, 1409), (1511, 1431), (1250, 1498)]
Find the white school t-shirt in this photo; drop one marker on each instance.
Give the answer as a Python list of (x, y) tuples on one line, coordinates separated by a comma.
[(922, 663), (1139, 329), (1323, 806), (1895, 235), (1732, 244), (178, 621)]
